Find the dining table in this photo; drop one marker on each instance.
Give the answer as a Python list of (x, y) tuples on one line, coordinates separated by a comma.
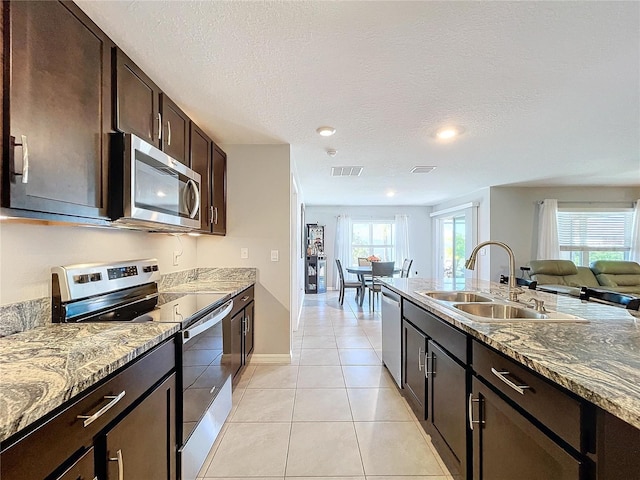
[(363, 271)]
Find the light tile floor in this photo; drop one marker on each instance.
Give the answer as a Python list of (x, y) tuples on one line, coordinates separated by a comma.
[(333, 414)]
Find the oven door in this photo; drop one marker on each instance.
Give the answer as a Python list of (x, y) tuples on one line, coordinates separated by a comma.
[(206, 388)]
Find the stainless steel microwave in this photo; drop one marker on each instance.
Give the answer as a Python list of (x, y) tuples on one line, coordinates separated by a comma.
[(149, 189)]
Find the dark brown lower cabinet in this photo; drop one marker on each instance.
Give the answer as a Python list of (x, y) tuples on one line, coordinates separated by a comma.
[(142, 444), (237, 331), (447, 389), (507, 446), (83, 469), (248, 329), (413, 378)]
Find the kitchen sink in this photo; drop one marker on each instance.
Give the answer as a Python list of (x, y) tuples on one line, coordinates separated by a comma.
[(456, 296), (498, 312)]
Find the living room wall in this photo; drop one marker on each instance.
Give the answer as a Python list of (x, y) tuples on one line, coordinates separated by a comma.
[(514, 215)]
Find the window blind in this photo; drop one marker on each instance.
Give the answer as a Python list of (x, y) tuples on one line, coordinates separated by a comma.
[(595, 229)]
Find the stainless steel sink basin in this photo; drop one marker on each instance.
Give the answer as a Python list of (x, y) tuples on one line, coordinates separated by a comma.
[(495, 312), (456, 296), (498, 311)]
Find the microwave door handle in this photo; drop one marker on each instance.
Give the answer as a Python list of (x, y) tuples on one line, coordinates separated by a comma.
[(191, 333), (196, 191)]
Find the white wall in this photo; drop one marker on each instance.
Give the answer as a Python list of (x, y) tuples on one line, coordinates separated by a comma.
[(258, 218), (514, 215), (28, 251), (419, 232)]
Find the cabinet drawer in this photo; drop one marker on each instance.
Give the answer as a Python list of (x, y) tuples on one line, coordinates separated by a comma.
[(452, 340), (242, 299), (44, 449), (547, 403), (82, 469)]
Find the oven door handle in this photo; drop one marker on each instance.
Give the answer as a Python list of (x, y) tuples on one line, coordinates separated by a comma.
[(194, 331)]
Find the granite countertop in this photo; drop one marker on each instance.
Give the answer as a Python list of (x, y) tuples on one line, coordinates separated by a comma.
[(232, 287), (42, 368), (598, 360)]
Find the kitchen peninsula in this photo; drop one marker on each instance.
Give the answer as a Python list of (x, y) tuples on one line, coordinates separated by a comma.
[(568, 391)]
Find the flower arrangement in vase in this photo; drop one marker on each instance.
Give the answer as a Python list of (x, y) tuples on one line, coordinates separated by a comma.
[(373, 258)]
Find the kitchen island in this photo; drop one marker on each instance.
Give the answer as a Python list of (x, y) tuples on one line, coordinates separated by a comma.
[(568, 380)]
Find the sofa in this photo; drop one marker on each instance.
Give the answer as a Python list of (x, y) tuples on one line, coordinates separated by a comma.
[(563, 276)]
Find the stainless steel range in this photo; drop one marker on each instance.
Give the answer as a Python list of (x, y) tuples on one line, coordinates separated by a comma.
[(128, 291)]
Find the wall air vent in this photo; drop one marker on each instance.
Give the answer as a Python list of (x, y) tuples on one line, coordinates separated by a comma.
[(346, 171), (422, 169)]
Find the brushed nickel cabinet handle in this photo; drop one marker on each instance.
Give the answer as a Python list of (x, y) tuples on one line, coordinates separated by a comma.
[(168, 132), (420, 355), (428, 372), (211, 222), (25, 159), (470, 404), (245, 298), (502, 376), (159, 126), (118, 458), (89, 419), (216, 217)]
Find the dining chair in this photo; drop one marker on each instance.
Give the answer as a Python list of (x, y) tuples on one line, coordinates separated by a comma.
[(364, 262), (406, 268), (344, 285), (378, 270)]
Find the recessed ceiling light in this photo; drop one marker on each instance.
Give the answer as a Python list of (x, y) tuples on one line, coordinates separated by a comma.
[(332, 152), (325, 131), (391, 193), (422, 169), (447, 133)]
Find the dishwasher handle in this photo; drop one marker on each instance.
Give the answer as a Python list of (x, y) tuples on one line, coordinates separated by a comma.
[(207, 322), (391, 299)]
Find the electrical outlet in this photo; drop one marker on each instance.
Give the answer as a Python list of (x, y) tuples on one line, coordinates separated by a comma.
[(244, 253), (176, 256)]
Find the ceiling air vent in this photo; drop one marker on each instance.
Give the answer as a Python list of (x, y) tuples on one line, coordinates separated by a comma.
[(422, 169), (346, 171)]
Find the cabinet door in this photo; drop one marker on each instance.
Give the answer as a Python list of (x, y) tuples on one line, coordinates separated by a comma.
[(83, 469), (248, 331), (447, 388), (237, 333), (219, 191), (507, 446), (143, 443), (137, 102), (58, 115), (414, 379), (201, 163), (175, 130)]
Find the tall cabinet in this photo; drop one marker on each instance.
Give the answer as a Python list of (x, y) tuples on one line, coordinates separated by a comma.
[(316, 262)]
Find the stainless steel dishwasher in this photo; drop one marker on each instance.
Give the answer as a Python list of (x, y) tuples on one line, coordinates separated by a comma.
[(392, 334)]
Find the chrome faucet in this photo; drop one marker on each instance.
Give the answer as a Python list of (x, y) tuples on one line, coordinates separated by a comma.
[(471, 265)]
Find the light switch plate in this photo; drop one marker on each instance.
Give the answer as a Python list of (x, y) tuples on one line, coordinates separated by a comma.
[(275, 255)]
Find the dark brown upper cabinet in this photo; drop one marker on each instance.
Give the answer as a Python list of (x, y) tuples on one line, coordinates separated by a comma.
[(200, 159), (175, 130), (219, 194), (137, 102), (211, 163), (56, 110)]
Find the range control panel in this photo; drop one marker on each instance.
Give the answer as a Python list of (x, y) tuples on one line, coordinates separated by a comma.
[(86, 280)]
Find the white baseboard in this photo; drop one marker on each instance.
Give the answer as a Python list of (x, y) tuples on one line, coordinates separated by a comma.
[(270, 358)]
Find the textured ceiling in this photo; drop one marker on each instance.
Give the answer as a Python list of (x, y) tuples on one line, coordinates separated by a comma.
[(548, 93)]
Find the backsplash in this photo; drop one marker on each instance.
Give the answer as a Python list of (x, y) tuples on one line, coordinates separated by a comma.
[(21, 316)]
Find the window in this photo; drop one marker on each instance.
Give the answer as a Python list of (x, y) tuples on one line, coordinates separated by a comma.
[(589, 235), (375, 237)]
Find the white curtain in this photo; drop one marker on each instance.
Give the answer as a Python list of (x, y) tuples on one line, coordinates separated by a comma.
[(342, 247), (548, 245), (402, 239), (635, 234)]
